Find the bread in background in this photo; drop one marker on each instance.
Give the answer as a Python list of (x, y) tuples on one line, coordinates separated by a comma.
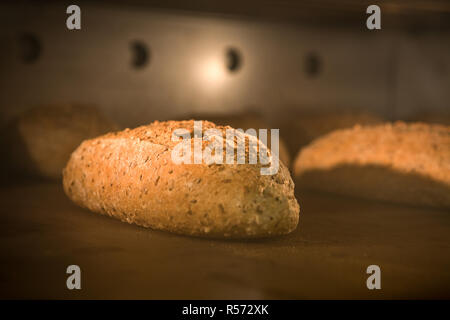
[(246, 120), (302, 128), (40, 140), (402, 163)]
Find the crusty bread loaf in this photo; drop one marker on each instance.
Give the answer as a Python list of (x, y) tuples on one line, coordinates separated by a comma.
[(246, 120), (403, 163), (130, 175), (302, 128), (40, 140)]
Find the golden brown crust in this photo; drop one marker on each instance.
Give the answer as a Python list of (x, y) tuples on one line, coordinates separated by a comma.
[(309, 126), (406, 163), (247, 120), (130, 175)]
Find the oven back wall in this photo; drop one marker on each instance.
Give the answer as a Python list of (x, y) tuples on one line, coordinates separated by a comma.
[(282, 67)]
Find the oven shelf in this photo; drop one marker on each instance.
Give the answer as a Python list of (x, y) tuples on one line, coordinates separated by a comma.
[(42, 233)]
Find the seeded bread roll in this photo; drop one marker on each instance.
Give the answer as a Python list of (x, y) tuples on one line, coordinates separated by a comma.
[(40, 140), (403, 163), (247, 120), (303, 128), (130, 175)]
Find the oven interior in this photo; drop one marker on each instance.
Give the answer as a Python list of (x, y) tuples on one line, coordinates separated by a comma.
[(161, 60)]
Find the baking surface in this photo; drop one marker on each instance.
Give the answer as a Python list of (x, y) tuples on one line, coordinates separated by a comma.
[(42, 233)]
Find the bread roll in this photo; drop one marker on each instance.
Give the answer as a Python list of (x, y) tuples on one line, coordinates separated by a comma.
[(303, 128), (40, 140), (130, 175), (246, 120), (403, 163)]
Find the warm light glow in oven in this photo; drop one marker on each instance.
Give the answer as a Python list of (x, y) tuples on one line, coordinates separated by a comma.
[(212, 72)]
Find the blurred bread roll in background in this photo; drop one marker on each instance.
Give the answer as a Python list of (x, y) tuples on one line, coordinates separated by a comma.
[(302, 128), (40, 140), (246, 120), (403, 163)]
